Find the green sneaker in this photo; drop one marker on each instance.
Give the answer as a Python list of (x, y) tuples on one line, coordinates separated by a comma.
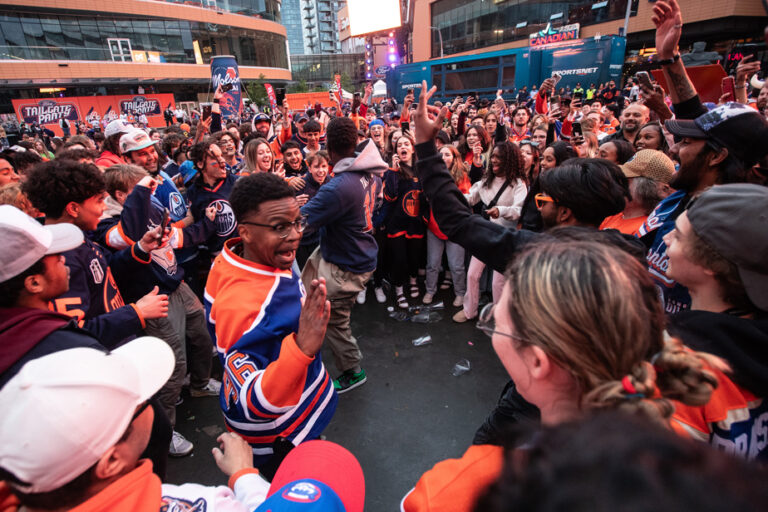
[(349, 380)]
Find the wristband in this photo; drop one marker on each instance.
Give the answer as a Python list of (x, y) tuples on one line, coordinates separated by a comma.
[(740, 86), (668, 62)]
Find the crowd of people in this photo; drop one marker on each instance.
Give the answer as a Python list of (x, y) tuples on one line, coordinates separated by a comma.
[(613, 243)]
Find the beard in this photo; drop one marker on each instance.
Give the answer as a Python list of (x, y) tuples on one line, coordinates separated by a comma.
[(687, 178)]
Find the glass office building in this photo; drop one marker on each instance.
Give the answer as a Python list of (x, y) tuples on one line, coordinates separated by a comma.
[(469, 25), (25, 36)]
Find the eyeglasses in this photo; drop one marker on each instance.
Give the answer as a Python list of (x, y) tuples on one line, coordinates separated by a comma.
[(541, 199), (487, 323), (283, 229), (529, 143)]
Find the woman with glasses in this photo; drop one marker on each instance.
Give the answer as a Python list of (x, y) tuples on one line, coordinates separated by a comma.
[(211, 188), (501, 194), (570, 359)]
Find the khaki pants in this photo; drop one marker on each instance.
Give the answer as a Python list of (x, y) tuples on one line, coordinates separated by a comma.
[(342, 288)]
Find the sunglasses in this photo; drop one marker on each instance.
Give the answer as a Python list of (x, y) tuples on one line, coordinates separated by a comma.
[(541, 199)]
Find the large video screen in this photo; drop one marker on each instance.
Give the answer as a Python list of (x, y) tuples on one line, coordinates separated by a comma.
[(367, 16)]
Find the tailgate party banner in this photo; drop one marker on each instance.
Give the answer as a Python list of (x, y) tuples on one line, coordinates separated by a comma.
[(224, 72), (92, 109)]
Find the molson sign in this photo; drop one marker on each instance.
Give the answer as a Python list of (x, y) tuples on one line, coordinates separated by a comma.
[(554, 35), (46, 111), (92, 109), (141, 105), (223, 72)]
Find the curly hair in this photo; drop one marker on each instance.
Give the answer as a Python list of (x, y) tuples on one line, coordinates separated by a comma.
[(341, 136), (252, 190), (512, 163), (51, 186), (199, 151)]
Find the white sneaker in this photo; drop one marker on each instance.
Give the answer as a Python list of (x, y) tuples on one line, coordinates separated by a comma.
[(211, 389), (428, 298), (180, 447), (361, 297), (381, 297), (458, 301)]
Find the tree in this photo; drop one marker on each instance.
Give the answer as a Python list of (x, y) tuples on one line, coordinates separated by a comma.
[(300, 86), (346, 82), (256, 91)]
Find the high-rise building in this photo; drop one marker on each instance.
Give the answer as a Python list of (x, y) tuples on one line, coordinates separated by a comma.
[(312, 26)]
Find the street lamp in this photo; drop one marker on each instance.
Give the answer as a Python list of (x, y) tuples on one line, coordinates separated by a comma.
[(440, 35)]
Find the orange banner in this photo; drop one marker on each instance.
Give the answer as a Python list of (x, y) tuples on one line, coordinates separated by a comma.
[(90, 109)]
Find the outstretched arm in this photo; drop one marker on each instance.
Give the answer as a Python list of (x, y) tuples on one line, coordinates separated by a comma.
[(489, 242)]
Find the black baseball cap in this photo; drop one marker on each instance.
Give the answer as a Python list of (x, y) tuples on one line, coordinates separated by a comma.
[(735, 126)]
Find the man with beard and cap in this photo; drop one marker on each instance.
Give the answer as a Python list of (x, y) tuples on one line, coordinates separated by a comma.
[(632, 118), (262, 127), (718, 251), (718, 147)]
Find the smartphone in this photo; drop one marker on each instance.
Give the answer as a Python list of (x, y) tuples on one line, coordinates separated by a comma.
[(577, 129), (164, 222), (577, 96), (557, 77), (644, 78), (206, 111), (729, 87), (227, 87)]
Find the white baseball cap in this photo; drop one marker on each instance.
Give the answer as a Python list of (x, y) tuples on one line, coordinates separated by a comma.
[(25, 241), (135, 140), (62, 412), (116, 126)]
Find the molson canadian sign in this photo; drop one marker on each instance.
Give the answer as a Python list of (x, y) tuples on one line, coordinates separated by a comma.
[(554, 35), (92, 109)]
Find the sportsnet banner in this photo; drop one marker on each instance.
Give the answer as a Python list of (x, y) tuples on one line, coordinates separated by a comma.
[(92, 109), (271, 95), (224, 71)]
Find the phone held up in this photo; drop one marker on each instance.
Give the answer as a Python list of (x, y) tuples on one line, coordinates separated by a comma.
[(227, 87)]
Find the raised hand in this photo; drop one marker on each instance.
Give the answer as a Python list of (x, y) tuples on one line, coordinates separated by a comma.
[(313, 321), (428, 120), (669, 25)]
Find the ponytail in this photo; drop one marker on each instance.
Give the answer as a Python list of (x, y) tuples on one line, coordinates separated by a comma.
[(675, 373)]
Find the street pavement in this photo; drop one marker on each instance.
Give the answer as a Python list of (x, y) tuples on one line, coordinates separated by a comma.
[(410, 414)]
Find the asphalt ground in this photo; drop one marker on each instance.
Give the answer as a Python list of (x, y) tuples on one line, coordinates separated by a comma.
[(410, 414)]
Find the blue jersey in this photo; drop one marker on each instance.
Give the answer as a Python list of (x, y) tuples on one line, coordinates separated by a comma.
[(661, 221), (201, 196), (168, 196)]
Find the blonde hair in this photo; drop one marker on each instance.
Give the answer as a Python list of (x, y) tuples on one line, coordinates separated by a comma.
[(250, 153), (594, 309), (11, 194)]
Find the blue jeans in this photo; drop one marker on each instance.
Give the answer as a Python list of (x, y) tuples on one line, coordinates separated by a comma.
[(455, 254)]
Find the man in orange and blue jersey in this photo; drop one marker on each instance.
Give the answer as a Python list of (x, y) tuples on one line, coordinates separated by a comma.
[(275, 384)]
